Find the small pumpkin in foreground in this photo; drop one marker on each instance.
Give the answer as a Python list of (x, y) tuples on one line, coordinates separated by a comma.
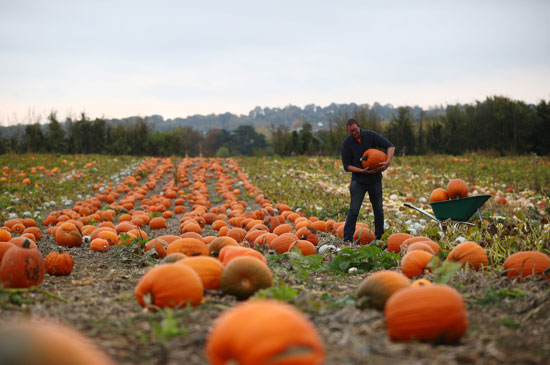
[(59, 264), (375, 289), (426, 313), (22, 267), (527, 263), (48, 343), (264, 331), (245, 275), (170, 285)]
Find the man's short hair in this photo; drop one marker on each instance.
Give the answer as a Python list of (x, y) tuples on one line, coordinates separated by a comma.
[(351, 121)]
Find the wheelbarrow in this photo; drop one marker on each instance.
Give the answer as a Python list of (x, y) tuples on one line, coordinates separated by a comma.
[(460, 210)]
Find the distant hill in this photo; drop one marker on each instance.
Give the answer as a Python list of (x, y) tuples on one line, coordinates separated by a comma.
[(260, 118)]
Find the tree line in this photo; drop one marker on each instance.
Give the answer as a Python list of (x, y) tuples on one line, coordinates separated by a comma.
[(498, 125)]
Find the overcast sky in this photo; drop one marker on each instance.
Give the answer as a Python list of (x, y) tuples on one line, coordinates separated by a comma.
[(179, 58)]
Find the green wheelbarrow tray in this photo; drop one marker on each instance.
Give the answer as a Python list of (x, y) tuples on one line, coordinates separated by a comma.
[(456, 209), (459, 209)]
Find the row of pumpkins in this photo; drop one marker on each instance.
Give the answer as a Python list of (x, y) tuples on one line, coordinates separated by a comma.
[(241, 271)]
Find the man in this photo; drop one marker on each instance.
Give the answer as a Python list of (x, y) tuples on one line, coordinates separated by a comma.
[(364, 180)]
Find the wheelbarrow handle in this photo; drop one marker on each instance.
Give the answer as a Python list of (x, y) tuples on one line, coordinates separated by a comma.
[(423, 212)]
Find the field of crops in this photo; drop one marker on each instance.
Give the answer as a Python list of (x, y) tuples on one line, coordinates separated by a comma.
[(149, 206)]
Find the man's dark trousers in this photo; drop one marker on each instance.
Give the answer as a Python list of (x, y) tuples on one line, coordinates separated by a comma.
[(357, 194)]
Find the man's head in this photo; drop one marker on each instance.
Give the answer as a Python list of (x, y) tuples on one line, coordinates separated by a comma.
[(353, 127)]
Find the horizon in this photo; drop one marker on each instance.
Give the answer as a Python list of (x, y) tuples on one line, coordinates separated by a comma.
[(179, 59)]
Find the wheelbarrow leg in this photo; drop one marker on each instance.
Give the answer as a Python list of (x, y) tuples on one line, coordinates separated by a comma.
[(425, 213)]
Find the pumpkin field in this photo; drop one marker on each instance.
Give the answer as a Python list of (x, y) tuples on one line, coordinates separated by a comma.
[(130, 260)]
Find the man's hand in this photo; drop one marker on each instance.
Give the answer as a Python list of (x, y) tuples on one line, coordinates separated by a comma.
[(381, 167)]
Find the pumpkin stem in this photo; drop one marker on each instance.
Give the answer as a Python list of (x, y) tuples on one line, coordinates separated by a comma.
[(26, 244)]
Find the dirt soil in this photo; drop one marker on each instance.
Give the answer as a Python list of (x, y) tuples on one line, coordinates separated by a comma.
[(503, 328)]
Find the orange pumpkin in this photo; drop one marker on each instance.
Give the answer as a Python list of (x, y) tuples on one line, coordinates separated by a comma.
[(306, 247), (286, 336), (363, 235), (158, 245), (67, 234), (218, 243), (244, 275), (170, 285), (228, 253), (188, 246), (395, 240), (99, 245), (527, 263), (414, 263), (426, 313), (372, 158), (282, 243), (22, 267), (59, 264), (469, 253), (5, 246), (457, 188), (174, 257), (209, 270), (38, 343), (375, 289), (439, 194)]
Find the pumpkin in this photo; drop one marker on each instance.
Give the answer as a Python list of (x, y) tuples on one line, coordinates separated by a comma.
[(59, 264), (285, 336), (426, 313), (395, 240), (158, 223), (244, 275), (209, 270), (68, 234), (282, 229), (306, 247), (282, 243), (308, 234), (415, 262), (217, 244), (173, 257), (158, 245), (22, 267), (457, 188), (35, 231), (34, 342), (469, 253), (99, 245), (238, 234), (375, 289), (5, 235), (527, 263), (363, 235), (372, 158), (265, 239), (421, 282), (188, 246), (170, 285), (5, 246), (420, 246), (228, 253), (439, 194)]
